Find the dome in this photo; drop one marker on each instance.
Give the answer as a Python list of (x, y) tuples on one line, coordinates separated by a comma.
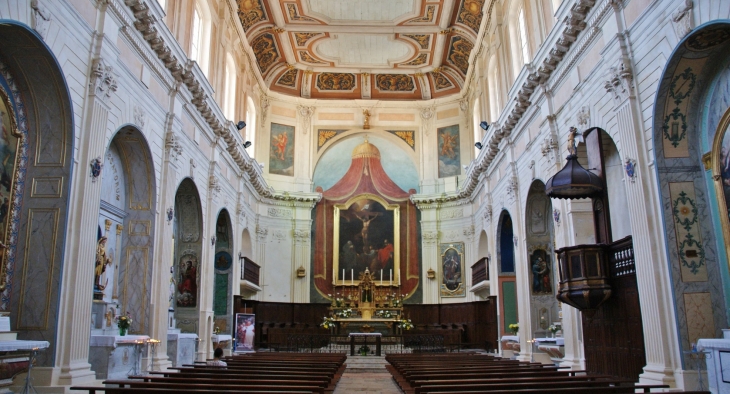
[(365, 149)]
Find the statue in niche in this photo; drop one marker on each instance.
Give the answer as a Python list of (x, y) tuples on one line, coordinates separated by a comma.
[(188, 286), (366, 122), (541, 278), (102, 261)]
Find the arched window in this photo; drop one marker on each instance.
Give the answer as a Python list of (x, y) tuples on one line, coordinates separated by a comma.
[(524, 50), (518, 37), (200, 39), (478, 132), (493, 86), (250, 129), (230, 89)]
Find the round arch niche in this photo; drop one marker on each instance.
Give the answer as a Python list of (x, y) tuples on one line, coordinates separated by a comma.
[(187, 256)]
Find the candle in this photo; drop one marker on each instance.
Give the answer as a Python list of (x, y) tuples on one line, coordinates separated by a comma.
[(343, 275), (391, 277), (352, 276), (381, 276)]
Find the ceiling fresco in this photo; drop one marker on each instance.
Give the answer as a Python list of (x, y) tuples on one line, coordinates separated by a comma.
[(375, 49)]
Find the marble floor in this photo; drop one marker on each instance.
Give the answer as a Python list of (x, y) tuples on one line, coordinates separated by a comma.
[(366, 375)]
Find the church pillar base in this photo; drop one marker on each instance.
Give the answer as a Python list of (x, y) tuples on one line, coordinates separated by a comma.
[(657, 374)]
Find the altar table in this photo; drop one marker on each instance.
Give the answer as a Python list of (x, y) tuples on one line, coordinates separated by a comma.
[(377, 336)]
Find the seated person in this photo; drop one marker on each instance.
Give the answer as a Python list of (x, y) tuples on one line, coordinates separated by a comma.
[(216, 361)]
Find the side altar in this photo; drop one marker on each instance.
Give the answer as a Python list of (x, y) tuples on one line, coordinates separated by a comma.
[(366, 306)]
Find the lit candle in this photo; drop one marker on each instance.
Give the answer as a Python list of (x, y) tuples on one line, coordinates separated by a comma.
[(381, 276), (391, 277)]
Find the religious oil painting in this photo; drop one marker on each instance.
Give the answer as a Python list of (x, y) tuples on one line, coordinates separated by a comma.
[(452, 268), (187, 285), (449, 153), (366, 237), (244, 335), (721, 169), (8, 148), (281, 155), (541, 269)]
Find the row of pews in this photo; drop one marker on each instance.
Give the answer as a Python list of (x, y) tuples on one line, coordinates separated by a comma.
[(264, 373), (461, 373)]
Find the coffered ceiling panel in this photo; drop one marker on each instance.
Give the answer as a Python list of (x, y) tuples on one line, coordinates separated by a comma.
[(379, 49)]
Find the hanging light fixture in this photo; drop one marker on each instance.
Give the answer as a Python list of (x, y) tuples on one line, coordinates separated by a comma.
[(573, 181)]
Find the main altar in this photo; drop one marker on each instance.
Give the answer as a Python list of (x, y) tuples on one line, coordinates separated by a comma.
[(366, 306)]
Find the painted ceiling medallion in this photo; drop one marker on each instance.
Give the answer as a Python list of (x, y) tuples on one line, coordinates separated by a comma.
[(459, 53), (289, 78), (395, 82), (250, 12), (264, 48), (470, 13), (335, 81)]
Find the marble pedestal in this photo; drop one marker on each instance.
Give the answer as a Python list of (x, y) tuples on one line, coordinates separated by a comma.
[(718, 364), (116, 357), (181, 348)]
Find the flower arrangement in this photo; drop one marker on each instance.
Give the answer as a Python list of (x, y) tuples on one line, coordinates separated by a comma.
[(344, 313), (405, 324), (384, 314), (216, 330), (328, 322), (553, 328), (364, 350), (123, 322), (336, 300), (514, 327)]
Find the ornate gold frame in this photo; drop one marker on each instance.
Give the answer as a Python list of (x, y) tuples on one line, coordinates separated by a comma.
[(336, 237), (443, 290), (722, 128), (16, 133)]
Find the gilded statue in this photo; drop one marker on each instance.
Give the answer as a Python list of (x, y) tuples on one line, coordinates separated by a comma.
[(366, 123), (102, 261)]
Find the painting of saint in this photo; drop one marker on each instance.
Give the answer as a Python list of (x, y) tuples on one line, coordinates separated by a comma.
[(449, 153), (8, 148), (245, 331), (103, 260), (725, 168), (187, 287), (366, 233), (541, 273), (452, 270), (281, 155)]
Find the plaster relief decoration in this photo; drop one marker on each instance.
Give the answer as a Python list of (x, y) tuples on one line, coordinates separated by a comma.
[(140, 116), (468, 232), (324, 135), (96, 166), (512, 187), (280, 213), (556, 216), (278, 235), (302, 236), (41, 17), (541, 268), (583, 118), (281, 156), (488, 214), (430, 237), (261, 234), (426, 118), (395, 83), (406, 135), (214, 186), (265, 103), (172, 145), (306, 114), (690, 249), (192, 168), (102, 82), (449, 151), (452, 267), (682, 19), (187, 286), (170, 214), (619, 82), (250, 12), (452, 213), (549, 147), (630, 168)]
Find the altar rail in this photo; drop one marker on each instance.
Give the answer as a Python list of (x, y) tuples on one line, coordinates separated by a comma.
[(324, 343)]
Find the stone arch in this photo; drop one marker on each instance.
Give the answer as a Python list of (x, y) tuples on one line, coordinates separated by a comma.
[(223, 269), (506, 271), (692, 96), (125, 244), (38, 104), (246, 244), (188, 255)]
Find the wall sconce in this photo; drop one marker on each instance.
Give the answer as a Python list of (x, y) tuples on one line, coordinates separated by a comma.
[(246, 144), (478, 145), (484, 125), (240, 125), (301, 272), (431, 274)]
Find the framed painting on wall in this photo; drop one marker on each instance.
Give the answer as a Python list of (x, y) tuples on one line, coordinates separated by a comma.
[(721, 175), (452, 268), (244, 335), (366, 235), (449, 152), (281, 155)]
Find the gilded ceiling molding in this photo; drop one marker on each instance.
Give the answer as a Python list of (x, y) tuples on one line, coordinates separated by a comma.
[(336, 82), (251, 12), (395, 83)]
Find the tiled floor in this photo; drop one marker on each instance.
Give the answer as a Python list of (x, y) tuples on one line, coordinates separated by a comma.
[(366, 375)]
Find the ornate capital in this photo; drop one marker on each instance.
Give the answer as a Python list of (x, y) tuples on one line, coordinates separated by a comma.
[(214, 185), (301, 236), (682, 19), (261, 234), (172, 145), (102, 82), (430, 237), (306, 114), (619, 82)]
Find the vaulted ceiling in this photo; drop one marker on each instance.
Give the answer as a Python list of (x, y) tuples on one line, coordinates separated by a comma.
[(362, 49)]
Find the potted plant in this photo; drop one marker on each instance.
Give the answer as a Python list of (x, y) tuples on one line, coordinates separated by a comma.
[(123, 322), (364, 350)]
